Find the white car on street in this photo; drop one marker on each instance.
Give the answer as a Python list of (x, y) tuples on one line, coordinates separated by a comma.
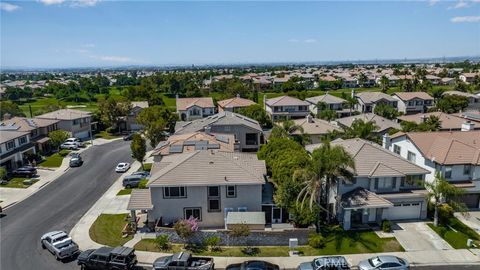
[(122, 167)]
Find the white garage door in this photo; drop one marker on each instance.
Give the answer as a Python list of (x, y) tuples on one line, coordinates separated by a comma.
[(407, 210), (82, 135)]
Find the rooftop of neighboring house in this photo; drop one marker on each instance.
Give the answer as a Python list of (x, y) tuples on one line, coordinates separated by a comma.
[(222, 118), (406, 96), (372, 160), (235, 102), (202, 102), (448, 121), (327, 98), (470, 115), (27, 124), (208, 167), (190, 142), (65, 114), (382, 122), (9, 134), (373, 97), (447, 147), (140, 104), (315, 126), (286, 101), (458, 93)]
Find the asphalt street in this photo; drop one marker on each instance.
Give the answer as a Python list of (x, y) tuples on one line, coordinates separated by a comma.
[(58, 206)]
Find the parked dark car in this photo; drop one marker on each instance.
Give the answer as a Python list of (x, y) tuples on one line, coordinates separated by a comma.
[(76, 161), (253, 265), (107, 258), (26, 171), (183, 261), (128, 137)]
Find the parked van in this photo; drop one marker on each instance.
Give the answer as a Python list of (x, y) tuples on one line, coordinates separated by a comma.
[(132, 181)]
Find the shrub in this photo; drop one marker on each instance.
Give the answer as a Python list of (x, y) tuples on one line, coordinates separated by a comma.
[(316, 241), (64, 152), (212, 242), (143, 184), (185, 228), (445, 212), (3, 173), (162, 242), (386, 225), (240, 230)]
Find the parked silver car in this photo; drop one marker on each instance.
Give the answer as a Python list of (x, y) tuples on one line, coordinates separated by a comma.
[(386, 262), (59, 244)]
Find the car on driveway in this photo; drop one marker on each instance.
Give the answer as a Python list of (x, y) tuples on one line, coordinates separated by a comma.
[(143, 174), (59, 244), (386, 262), (108, 258), (326, 263), (26, 171), (253, 265), (122, 167), (69, 145), (74, 140)]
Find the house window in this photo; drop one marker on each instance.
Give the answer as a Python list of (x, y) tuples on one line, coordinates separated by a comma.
[(231, 191), (448, 172), (411, 156), (22, 140), (467, 168), (76, 121), (195, 212), (383, 183), (397, 149), (174, 192), (213, 197), (10, 145)]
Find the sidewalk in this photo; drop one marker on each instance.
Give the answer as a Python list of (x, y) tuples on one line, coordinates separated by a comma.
[(11, 196)]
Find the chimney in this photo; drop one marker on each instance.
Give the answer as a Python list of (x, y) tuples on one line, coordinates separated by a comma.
[(7, 116), (386, 141), (309, 119), (238, 95), (423, 118), (468, 126)]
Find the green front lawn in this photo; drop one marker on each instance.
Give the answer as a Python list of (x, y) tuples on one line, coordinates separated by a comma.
[(125, 191), (18, 183), (38, 105), (52, 161), (458, 239), (107, 230)]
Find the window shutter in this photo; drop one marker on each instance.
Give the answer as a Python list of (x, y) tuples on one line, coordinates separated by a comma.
[(376, 183)]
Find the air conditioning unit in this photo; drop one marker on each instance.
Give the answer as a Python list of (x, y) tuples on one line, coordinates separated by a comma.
[(242, 209)]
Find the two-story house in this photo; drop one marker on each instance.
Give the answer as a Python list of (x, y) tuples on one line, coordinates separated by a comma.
[(248, 132), (448, 122), (314, 128), (368, 100), (286, 107), (194, 108), (234, 104), (38, 129), (329, 102), (76, 122), (131, 119), (413, 102), (14, 147), (455, 155), (204, 184), (385, 186), (473, 100), (384, 125)]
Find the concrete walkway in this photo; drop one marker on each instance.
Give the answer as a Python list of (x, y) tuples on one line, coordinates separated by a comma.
[(11, 196), (417, 235)]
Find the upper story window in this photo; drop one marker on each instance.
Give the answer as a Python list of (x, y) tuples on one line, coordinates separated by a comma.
[(10, 145), (174, 192), (419, 102), (412, 181), (22, 140), (467, 169), (411, 156), (34, 133), (385, 183), (448, 172), (76, 121), (231, 191), (213, 197), (397, 149)]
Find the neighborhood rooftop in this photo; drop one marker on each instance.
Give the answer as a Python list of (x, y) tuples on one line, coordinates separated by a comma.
[(65, 114), (221, 118), (286, 101), (202, 102), (189, 142)]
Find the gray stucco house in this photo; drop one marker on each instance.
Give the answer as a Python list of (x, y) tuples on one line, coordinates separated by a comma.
[(75, 122)]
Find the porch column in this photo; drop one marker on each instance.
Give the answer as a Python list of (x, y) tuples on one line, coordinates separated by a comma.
[(347, 214), (133, 222)]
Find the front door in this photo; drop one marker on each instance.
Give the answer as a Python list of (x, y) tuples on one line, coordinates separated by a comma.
[(276, 215), (267, 209)]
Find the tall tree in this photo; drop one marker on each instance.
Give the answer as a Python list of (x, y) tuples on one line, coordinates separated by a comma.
[(386, 111), (361, 129), (139, 148), (57, 137), (385, 83), (8, 107)]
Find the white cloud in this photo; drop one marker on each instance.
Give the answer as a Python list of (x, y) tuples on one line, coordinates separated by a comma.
[(465, 19), (51, 2), (72, 3), (8, 7), (310, 40), (110, 58), (433, 2), (459, 4)]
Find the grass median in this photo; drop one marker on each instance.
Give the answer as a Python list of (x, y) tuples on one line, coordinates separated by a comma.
[(456, 233)]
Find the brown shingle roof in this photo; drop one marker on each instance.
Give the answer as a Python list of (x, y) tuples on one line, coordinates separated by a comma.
[(372, 97), (202, 102), (362, 198), (327, 98), (235, 102), (140, 199), (65, 114), (382, 122), (286, 101), (412, 95), (449, 121), (315, 126), (28, 124)]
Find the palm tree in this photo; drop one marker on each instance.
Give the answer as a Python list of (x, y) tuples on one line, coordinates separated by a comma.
[(290, 127), (351, 101), (361, 129), (385, 83), (327, 165), (440, 190)]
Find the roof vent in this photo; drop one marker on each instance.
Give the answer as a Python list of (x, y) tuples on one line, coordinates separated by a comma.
[(210, 162)]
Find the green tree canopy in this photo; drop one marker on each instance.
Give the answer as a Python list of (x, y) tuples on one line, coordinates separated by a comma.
[(256, 112), (57, 137), (139, 148)]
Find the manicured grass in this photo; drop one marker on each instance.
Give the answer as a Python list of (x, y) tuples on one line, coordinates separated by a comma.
[(18, 183), (107, 230), (105, 135), (169, 101), (125, 191), (146, 167), (458, 239), (52, 161), (39, 104), (266, 251), (339, 241)]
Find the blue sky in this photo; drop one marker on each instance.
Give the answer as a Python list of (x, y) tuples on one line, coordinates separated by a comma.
[(84, 33)]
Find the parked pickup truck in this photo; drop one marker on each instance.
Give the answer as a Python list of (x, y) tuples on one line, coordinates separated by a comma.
[(183, 261), (59, 244), (107, 258)]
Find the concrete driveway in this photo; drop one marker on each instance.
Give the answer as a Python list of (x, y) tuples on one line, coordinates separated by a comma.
[(418, 236), (472, 219)]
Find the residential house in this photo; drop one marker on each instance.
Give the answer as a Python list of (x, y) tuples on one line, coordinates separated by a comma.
[(468, 77), (332, 103), (195, 108), (315, 128), (286, 107), (449, 122), (233, 104), (473, 100), (204, 184), (189, 142), (131, 119), (384, 125), (368, 100), (248, 133), (15, 146), (76, 122), (455, 155), (435, 80), (413, 102), (38, 129), (385, 186)]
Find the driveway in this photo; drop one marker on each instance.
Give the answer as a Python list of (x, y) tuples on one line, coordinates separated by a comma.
[(418, 236), (472, 219)]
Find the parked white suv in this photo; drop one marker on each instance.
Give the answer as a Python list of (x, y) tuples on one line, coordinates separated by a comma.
[(69, 146), (74, 140)]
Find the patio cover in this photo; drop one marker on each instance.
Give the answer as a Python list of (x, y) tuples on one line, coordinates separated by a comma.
[(361, 198), (140, 199)]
